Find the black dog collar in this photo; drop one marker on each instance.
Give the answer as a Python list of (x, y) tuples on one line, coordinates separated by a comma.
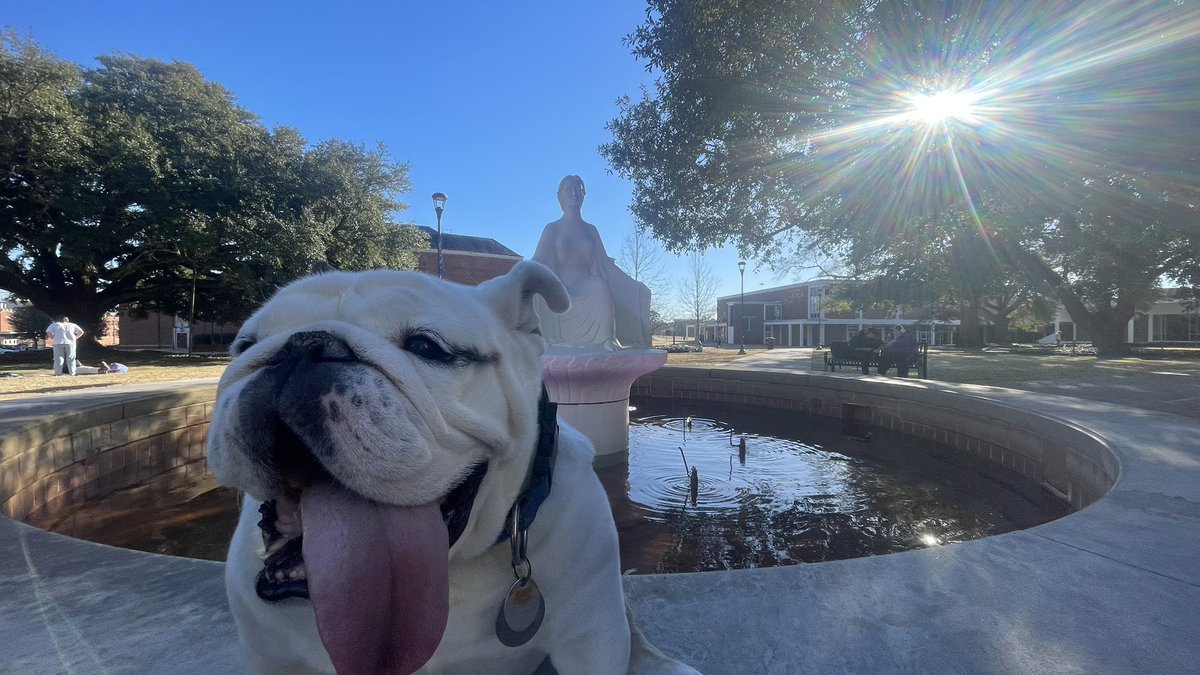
[(541, 473)]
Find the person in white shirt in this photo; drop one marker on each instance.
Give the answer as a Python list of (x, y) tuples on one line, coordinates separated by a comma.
[(63, 335)]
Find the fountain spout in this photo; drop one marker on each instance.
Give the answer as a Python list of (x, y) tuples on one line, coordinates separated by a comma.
[(741, 446)]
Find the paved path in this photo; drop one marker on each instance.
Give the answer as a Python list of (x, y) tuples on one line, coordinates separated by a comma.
[(1173, 388), (798, 358)]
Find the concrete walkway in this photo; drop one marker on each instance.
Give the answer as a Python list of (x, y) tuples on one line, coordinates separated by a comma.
[(1173, 388), (785, 358)]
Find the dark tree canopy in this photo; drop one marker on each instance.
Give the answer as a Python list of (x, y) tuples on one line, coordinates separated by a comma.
[(138, 182), (788, 128)]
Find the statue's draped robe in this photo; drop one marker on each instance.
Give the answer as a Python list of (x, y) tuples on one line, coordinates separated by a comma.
[(588, 323), (609, 310)]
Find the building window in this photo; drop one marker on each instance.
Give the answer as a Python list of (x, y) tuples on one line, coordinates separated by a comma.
[(774, 312), (814, 303), (1176, 328)]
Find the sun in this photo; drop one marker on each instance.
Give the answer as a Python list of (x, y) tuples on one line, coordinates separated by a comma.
[(943, 106)]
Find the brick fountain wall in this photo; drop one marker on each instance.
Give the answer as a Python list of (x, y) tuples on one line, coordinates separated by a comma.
[(136, 446)]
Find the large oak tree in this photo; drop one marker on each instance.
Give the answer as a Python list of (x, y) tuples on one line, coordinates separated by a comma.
[(786, 129), (139, 184)]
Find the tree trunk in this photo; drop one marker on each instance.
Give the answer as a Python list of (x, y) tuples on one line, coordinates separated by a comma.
[(1106, 326), (969, 334), (1109, 338), (1002, 328)]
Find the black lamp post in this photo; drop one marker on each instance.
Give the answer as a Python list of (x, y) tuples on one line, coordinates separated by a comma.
[(820, 318), (742, 306), (439, 205), (192, 307), (192, 312)]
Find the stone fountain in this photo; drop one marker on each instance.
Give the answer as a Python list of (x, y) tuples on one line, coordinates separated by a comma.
[(599, 346)]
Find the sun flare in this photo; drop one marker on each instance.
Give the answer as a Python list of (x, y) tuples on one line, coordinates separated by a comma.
[(942, 106)]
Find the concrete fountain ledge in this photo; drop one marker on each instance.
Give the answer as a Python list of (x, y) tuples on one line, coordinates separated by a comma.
[(1113, 588)]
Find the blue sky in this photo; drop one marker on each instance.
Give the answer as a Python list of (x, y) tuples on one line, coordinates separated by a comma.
[(491, 103)]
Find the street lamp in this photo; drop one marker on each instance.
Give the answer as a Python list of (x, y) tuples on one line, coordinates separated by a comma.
[(820, 317), (192, 308), (439, 205), (192, 312), (742, 306)]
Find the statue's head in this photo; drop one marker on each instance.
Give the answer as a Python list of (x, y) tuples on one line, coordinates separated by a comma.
[(571, 192)]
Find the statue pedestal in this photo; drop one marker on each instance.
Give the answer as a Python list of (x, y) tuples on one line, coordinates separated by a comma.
[(591, 388)]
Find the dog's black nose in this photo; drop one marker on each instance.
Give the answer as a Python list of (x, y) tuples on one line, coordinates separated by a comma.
[(316, 346)]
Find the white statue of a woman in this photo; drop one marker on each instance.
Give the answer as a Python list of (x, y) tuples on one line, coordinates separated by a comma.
[(608, 309)]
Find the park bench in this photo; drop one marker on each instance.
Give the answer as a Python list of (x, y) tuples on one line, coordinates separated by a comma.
[(840, 354)]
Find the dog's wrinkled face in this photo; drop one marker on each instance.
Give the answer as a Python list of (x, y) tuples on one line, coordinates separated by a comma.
[(357, 403)]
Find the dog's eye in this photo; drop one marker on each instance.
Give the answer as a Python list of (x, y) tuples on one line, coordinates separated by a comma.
[(424, 347), (241, 344)]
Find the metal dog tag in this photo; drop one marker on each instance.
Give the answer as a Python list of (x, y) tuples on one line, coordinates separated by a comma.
[(521, 613)]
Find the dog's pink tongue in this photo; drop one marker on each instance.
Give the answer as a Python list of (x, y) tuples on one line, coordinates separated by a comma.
[(377, 578)]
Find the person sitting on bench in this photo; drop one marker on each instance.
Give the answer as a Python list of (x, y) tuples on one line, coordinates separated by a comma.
[(865, 343), (899, 351)]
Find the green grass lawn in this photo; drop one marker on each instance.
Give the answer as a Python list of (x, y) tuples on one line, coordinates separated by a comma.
[(29, 373), (1012, 370)]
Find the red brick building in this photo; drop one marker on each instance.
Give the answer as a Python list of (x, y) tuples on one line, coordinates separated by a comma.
[(163, 331), (8, 334), (466, 259)]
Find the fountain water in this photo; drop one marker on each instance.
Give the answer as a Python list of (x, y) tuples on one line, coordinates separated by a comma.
[(807, 494)]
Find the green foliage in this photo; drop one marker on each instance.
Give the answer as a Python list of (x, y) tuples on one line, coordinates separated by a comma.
[(139, 183), (780, 127)]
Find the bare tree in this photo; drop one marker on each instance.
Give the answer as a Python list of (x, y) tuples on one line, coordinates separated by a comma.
[(698, 290), (641, 259)]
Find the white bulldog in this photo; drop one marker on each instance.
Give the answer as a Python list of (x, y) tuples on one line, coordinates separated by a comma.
[(384, 426)]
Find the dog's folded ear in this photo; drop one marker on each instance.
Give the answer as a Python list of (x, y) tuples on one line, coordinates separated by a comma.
[(512, 294)]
